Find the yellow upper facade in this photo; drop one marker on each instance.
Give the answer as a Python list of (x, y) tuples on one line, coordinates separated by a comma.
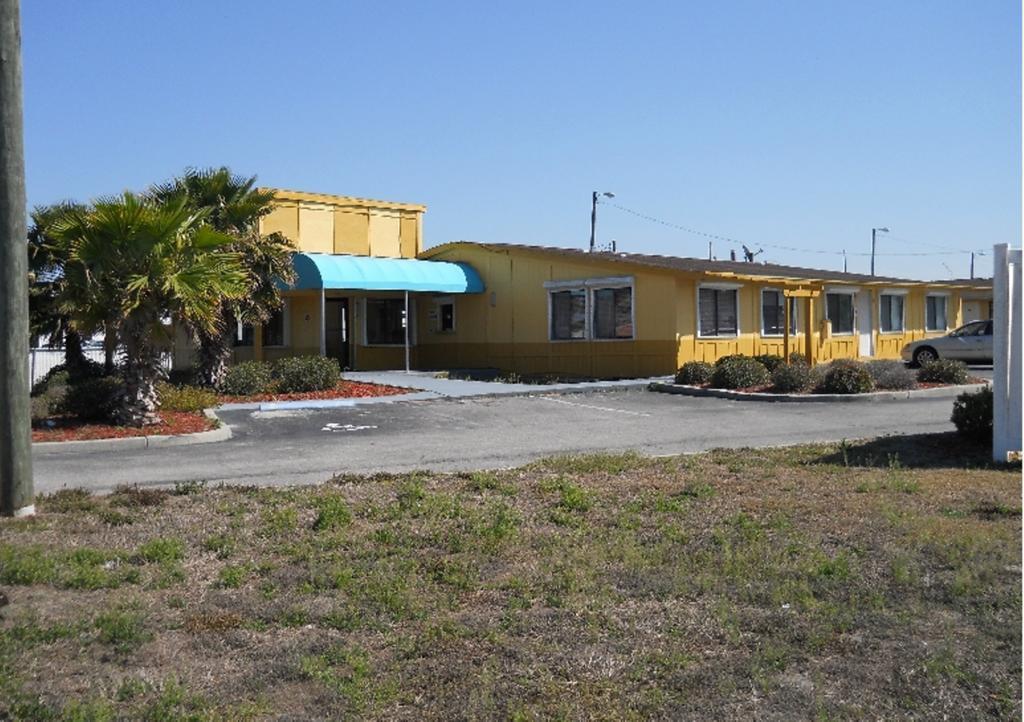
[(323, 223)]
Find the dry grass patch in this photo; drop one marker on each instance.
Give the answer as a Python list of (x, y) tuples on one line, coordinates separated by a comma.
[(877, 579)]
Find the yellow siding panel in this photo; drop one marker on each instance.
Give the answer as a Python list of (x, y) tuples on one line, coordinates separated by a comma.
[(409, 235), (384, 235), (316, 229), (352, 231)]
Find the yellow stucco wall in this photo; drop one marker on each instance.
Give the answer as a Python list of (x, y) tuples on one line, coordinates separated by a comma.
[(321, 223)]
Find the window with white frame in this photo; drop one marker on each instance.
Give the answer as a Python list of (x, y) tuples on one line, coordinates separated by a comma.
[(613, 313), (595, 309), (384, 321), (839, 312), (773, 313), (444, 315), (890, 311), (935, 313), (717, 311)]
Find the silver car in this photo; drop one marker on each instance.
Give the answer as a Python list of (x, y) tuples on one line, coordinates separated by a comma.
[(971, 342)]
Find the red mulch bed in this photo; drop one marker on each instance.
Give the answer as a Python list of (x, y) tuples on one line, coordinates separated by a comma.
[(344, 390), (172, 422), (767, 389)]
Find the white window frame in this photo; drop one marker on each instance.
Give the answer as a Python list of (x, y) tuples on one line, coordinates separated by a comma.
[(286, 328), (842, 291), (589, 286), (438, 302), (903, 310), (411, 320), (794, 316), (718, 287), (937, 294)]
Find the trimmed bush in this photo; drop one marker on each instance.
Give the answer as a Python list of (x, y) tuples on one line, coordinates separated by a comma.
[(797, 357), (729, 358), (792, 379), (846, 377), (695, 373), (55, 378), (306, 373), (92, 399), (891, 375), (770, 361), (246, 378), (943, 371), (972, 415), (738, 372), (185, 398)]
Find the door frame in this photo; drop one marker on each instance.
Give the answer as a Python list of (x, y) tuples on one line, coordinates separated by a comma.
[(864, 322)]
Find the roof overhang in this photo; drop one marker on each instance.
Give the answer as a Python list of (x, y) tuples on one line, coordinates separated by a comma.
[(368, 273)]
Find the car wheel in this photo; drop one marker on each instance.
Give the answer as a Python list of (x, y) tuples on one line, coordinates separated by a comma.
[(925, 355)]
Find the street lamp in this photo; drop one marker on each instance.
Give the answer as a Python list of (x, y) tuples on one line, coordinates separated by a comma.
[(874, 231), (593, 216)]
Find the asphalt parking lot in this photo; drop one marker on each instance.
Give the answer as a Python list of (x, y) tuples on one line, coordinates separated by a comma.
[(309, 446)]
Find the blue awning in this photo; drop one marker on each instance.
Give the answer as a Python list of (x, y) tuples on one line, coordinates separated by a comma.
[(366, 273)]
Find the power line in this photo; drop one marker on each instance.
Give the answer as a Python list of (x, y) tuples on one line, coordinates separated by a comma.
[(794, 249)]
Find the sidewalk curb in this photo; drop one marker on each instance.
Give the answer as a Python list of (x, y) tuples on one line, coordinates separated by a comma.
[(942, 392), (526, 390), (222, 433)]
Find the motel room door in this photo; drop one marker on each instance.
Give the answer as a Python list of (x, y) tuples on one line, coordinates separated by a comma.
[(337, 331), (866, 341)]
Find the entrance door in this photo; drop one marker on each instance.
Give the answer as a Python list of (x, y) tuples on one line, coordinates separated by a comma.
[(866, 345), (337, 330), (973, 312)]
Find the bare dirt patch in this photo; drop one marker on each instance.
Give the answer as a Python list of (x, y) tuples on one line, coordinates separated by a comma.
[(877, 579)]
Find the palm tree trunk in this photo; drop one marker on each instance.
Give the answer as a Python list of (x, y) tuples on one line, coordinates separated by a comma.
[(109, 347), (214, 357), (141, 372), (74, 357)]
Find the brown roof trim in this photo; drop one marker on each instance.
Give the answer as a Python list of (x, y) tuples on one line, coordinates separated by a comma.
[(698, 265), (284, 194)]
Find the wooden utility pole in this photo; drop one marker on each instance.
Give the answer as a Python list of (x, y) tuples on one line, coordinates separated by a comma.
[(16, 492)]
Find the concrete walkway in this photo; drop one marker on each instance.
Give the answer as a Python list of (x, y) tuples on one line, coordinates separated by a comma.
[(458, 388)]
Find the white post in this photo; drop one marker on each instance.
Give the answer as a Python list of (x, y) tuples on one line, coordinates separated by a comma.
[(406, 324), (1006, 352), (323, 322)]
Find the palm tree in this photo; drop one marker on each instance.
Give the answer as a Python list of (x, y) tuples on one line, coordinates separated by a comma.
[(137, 262), (46, 271), (234, 206)]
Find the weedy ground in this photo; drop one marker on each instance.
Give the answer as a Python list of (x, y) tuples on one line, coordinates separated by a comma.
[(876, 579)]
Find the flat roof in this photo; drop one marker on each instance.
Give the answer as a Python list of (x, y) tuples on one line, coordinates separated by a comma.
[(284, 194), (699, 265)]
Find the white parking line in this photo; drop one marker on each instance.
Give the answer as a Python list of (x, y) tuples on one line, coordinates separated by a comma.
[(333, 426), (591, 406)]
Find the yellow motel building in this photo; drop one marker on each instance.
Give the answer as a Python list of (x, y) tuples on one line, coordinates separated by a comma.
[(369, 295)]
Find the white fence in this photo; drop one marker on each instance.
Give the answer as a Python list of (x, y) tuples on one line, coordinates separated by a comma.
[(41, 360), (1006, 370)]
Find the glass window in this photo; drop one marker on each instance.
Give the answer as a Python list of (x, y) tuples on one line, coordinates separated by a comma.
[(446, 317), (839, 310), (717, 312), (935, 313), (613, 313), (568, 315), (773, 316), (891, 312), (384, 321), (273, 329)]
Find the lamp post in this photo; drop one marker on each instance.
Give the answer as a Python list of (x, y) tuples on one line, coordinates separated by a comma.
[(874, 231), (593, 216)]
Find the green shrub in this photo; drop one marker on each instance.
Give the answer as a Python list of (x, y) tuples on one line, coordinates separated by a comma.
[(891, 375), (42, 407), (769, 360), (737, 372), (246, 378), (306, 373), (92, 399), (798, 357), (56, 377), (943, 371), (694, 373), (185, 398), (729, 358), (972, 415), (846, 376), (792, 378)]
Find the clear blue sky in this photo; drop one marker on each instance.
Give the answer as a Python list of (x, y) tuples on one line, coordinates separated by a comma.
[(799, 124)]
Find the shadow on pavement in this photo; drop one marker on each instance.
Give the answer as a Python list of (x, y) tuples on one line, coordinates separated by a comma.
[(945, 450)]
